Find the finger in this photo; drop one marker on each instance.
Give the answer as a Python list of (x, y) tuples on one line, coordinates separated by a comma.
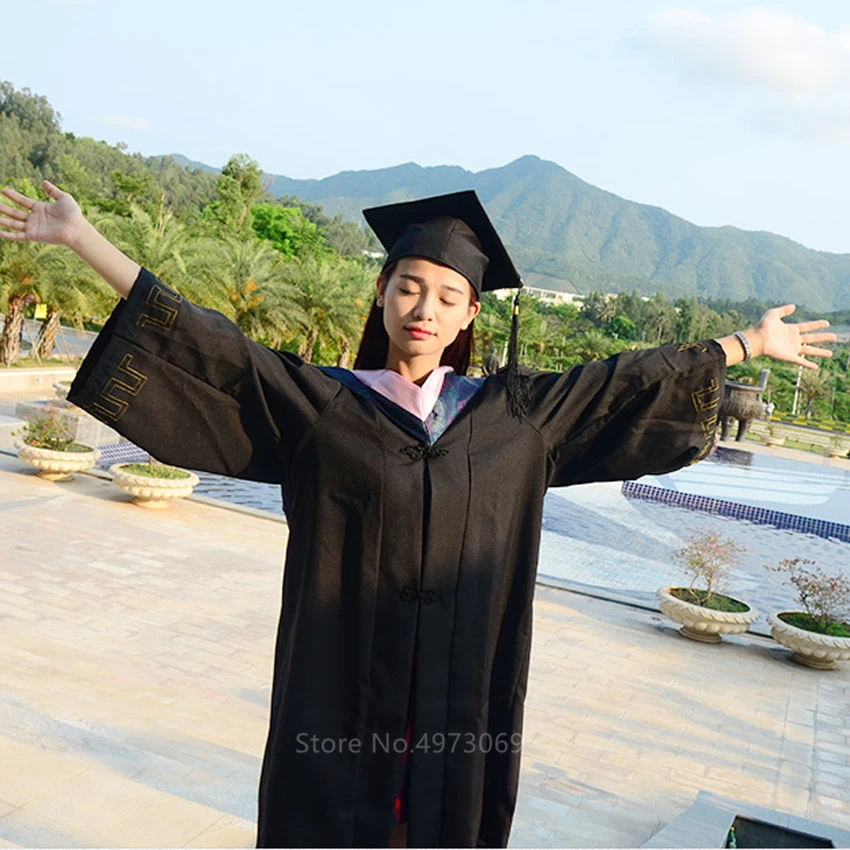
[(830, 337), (786, 310), (815, 352), (12, 224), (18, 198), (53, 191), (20, 215), (12, 237), (805, 327)]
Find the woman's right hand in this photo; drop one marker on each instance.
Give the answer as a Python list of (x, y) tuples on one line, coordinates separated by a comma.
[(58, 223), (62, 223)]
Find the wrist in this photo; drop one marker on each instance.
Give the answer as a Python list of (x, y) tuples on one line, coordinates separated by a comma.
[(754, 337), (80, 236)]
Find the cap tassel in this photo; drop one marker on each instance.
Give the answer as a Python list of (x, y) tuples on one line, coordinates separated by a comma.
[(519, 392)]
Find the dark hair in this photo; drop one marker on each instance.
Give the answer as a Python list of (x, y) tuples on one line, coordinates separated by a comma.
[(375, 343)]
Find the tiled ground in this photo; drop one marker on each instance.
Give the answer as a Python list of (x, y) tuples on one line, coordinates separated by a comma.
[(136, 660)]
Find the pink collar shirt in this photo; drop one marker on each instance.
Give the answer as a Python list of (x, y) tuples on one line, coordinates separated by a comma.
[(419, 401)]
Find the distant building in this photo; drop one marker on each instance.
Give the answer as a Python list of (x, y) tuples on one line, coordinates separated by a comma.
[(548, 296)]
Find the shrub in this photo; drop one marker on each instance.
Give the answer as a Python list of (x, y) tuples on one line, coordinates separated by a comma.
[(825, 598), (48, 430), (708, 558)]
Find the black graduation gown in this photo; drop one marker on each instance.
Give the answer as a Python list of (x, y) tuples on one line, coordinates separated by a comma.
[(392, 551)]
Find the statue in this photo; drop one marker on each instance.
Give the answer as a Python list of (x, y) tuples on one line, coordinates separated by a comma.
[(742, 402)]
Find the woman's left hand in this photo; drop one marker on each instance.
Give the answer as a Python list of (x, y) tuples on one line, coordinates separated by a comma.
[(787, 341)]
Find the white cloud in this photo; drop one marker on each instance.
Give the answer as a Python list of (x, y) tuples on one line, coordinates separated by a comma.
[(797, 73), (123, 122), (756, 46)]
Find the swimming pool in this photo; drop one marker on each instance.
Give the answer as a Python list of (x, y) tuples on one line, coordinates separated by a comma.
[(807, 489), (595, 537)]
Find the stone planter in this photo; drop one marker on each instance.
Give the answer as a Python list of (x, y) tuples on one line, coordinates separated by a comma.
[(704, 624), (810, 648), (149, 492), (836, 452), (56, 466), (772, 442), (62, 390)]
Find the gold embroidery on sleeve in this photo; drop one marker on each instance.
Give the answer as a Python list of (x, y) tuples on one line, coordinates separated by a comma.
[(127, 381), (708, 427), (163, 303), (707, 398), (700, 345)]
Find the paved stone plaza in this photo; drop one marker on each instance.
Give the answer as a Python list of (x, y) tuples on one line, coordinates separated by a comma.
[(136, 665)]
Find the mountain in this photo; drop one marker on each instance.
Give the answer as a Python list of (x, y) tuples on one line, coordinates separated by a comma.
[(191, 164), (567, 234)]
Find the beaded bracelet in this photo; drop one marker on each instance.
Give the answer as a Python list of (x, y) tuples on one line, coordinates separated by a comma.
[(748, 350)]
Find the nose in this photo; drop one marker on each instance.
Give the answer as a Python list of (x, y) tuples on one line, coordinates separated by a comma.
[(425, 306)]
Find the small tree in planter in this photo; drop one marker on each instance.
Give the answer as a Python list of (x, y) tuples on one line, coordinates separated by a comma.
[(819, 635), (704, 612), (774, 436), (47, 443), (153, 484), (836, 447)]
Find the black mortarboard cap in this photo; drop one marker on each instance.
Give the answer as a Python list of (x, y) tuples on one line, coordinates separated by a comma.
[(455, 231)]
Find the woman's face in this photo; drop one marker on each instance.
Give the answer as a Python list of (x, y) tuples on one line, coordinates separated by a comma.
[(425, 306)]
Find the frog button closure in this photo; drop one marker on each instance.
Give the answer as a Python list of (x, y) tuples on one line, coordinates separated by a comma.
[(422, 451)]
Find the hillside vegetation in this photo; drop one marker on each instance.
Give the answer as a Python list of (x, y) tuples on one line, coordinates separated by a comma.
[(293, 275)]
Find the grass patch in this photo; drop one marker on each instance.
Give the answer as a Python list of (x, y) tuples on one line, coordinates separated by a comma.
[(158, 470), (805, 621), (718, 601)]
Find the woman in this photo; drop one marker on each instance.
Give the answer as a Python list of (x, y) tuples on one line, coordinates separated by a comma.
[(414, 497)]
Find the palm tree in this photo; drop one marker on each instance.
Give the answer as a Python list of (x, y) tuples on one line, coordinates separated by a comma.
[(21, 267), (71, 291), (156, 242), (491, 332), (592, 345), (813, 387), (327, 293), (246, 278)]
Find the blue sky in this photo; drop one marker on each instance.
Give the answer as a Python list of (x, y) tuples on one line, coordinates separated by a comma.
[(721, 112)]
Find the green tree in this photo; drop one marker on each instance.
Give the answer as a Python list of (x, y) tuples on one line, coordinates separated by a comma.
[(246, 279), (287, 229), (238, 188), (21, 267), (158, 242), (621, 327), (333, 297)]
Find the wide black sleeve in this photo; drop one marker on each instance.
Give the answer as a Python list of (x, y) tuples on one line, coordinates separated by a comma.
[(637, 413), (184, 383)]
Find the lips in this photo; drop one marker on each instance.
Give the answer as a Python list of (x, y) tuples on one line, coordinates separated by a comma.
[(418, 333)]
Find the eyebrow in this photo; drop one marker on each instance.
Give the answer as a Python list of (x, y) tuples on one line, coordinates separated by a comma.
[(421, 282)]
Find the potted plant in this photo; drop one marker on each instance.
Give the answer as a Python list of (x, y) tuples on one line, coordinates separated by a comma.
[(153, 484), (62, 388), (47, 443), (774, 435), (819, 635), (836, 447), (704, 612)]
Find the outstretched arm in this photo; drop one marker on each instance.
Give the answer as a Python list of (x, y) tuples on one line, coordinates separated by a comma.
[(63, 223), (774, 338)]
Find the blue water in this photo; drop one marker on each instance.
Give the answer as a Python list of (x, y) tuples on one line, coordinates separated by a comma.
[(806, 489)]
